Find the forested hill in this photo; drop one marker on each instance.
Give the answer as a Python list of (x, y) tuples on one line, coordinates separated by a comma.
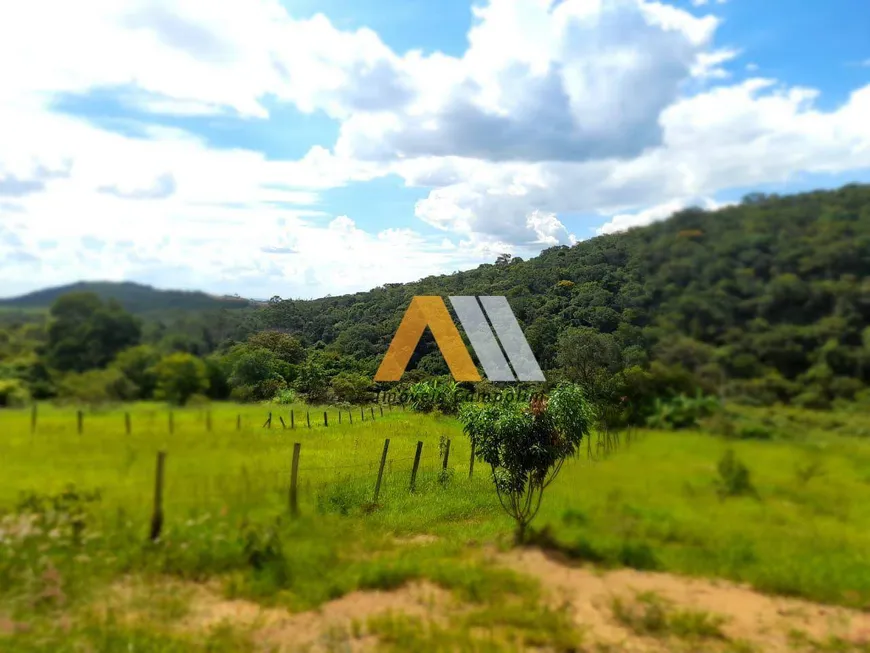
[(136, 298), (764, 301), (775, 290)]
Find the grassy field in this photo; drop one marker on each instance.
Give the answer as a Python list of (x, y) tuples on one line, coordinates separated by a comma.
[(800, 527)]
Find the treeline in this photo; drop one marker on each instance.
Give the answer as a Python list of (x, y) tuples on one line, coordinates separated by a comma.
[(94, 351), (763, 302), (766, 301)]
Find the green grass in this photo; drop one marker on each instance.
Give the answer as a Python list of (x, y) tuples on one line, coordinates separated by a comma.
[(654, 505)]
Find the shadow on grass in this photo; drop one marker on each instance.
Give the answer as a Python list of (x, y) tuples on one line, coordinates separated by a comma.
[(635, 555)]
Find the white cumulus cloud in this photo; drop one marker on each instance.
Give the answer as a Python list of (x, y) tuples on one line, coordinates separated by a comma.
[(623, 109)]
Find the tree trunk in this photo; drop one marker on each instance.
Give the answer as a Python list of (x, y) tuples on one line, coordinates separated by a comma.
[(520, 535)]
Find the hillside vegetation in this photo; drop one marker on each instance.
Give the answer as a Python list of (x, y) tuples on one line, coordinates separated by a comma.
[(766, 301), (770, 298)]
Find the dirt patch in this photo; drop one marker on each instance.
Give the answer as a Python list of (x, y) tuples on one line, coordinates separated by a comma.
[(761, 620), (321, 629), (685, 614), (421, 539), (10, 627)]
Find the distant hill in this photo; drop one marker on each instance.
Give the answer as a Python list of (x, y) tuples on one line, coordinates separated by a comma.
[(136, 298)]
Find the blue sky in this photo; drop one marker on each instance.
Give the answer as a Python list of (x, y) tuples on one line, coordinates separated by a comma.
[(307, 148)]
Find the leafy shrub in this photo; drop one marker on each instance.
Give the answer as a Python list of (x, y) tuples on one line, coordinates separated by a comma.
[(180, 376), (342, 498), (734, 477), (755, 432), (351, 387), (96, 387), (445, 476), (428, 396), (257, 370), (270, 387), (682, 412), (137, 364), (813, 398), (286, 396), (65, 513), (806, 472), (312, 380), (764, 391), (13, 393)]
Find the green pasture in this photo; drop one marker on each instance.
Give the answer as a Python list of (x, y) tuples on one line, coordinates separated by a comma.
[(804, 530)]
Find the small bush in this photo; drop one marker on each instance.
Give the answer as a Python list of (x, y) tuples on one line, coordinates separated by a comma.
[(806, 472), (813, 399), (285, 397), (682, 412), (734, 477), (445, 476), (13, 393), (430, 396), (754, 432), (340, 498)]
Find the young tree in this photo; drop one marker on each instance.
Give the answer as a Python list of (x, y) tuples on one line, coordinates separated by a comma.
[(526, 446)]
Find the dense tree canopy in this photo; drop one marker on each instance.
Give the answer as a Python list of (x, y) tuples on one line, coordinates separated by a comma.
[(764, 301)]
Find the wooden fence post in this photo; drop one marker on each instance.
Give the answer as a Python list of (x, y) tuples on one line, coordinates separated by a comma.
[(362, 414), (446, 456), (292, 420), (339, 415), (283, 425), (350, 415), (294, 479), (33, 419), (325, 419), (381, 469), (128, 426), (80, 419), (372, 408), (471, 463), (416, 465), (381, 406), (268, 423), (157, 516), (238, 422), (308, 418)]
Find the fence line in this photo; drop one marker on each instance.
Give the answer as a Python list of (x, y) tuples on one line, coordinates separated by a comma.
[(207, 422)]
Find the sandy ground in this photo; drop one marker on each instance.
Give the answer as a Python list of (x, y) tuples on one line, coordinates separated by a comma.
[(329, 628), (763, 622)]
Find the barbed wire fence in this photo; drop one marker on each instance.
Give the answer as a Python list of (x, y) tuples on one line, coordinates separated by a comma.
[(338, 487)]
